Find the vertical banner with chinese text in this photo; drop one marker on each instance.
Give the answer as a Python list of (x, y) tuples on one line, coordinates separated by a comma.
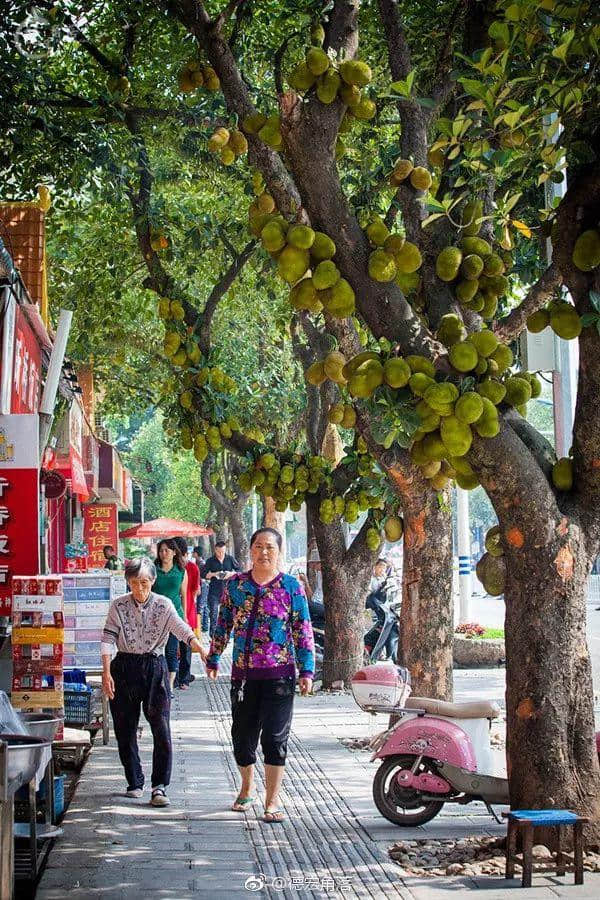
[(19, 501), (99, 528)]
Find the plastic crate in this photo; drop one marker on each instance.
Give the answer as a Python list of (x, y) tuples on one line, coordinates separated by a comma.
[(22, 800), (78, 707)]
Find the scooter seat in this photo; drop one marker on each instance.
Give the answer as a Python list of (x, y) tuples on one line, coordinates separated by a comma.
[(477, 709)]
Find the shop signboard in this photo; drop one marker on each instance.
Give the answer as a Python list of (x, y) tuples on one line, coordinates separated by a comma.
[(70, 448), (27, 367), (21, 362), (99, 529), (19, 501)]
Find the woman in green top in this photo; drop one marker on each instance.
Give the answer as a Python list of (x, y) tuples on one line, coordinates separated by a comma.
[(171, 582)]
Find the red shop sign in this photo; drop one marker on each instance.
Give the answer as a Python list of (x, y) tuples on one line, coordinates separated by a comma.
[(19, 502), (22, 362), (99, 529)]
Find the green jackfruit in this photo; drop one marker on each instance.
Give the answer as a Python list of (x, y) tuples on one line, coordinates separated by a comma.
[(448, 263), (382, 266), (586, 252), (322, 247)]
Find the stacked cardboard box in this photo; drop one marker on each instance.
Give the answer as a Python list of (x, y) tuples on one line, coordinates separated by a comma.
[(87, 598), (37, 644)]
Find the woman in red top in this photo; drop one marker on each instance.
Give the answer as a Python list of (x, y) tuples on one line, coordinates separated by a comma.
[(191, 615)]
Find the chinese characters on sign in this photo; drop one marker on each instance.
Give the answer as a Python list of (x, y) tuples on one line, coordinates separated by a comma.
[(19, 501), (99, 529)]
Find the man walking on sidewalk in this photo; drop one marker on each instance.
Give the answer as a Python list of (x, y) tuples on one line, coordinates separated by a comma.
[(217, 569)]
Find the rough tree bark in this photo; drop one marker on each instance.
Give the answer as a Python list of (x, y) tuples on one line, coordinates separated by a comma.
[(427, 616), (346, 574)]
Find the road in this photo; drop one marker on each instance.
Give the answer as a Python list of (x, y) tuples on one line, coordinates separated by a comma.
[(489, 611)]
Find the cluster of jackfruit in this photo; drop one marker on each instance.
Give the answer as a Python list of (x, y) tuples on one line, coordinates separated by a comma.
[(475, 268), (560, 316), (448, 412), (228, 144), (286, 480), (394, 258), (196, 74), (491, 568), (418, 176), (304, 258), (349, 507), (267, 129), (330, 80), (203, 437)]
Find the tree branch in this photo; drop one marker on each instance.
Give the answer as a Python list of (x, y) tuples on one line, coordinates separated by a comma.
[(444, 85), (218, 291), (539, 447), (107, 64), (413, 141), (539, 294), (227, 12), (194, 17)]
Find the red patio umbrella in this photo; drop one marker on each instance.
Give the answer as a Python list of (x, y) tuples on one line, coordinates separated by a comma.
[(158, 528)]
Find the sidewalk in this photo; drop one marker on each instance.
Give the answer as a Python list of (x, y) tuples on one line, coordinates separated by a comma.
[(333, 842)]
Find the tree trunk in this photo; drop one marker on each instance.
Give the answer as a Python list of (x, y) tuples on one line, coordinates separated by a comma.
[(274, 519), (549, 693), (427, 616), (241, 544), (313, 564), (345, 575)]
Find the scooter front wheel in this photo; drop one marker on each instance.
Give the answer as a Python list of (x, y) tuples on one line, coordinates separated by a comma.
[(402, 806)]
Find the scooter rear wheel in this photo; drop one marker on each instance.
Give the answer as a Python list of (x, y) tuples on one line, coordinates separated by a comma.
[(402, 806)]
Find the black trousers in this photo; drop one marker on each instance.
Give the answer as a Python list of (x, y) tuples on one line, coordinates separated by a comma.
[(180, 665), (213, 604), (141, 681), (266, 712)]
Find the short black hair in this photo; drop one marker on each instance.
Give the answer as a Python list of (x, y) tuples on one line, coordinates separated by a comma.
[(107, 547), (198, 550), (268, 530), (221, 544), (381, 559)]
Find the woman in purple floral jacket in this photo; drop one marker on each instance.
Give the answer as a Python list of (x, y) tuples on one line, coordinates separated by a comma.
[(272, 635)]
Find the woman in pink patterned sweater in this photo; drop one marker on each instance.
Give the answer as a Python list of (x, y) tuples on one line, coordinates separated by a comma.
[(272, 636)]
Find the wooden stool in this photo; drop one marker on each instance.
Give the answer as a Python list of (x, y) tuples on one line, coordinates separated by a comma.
[(526, 820)]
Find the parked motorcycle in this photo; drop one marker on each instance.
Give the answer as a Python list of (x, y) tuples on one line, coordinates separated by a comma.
[(383, 634), (436, 753)]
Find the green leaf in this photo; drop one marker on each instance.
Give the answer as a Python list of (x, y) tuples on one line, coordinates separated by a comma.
[(389, 439), (401, 87), (474, 88), (595, 300), (500, 32), (431, 219), (589, 319)]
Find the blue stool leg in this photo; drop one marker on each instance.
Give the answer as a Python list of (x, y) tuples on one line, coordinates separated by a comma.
[(527, 854), (511, 849), (560, 863), (578, 851)]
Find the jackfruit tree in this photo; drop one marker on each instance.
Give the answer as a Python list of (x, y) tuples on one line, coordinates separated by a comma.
[(400, 196)]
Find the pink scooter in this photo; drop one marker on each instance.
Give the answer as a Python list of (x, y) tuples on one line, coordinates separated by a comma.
[(436, 753)]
